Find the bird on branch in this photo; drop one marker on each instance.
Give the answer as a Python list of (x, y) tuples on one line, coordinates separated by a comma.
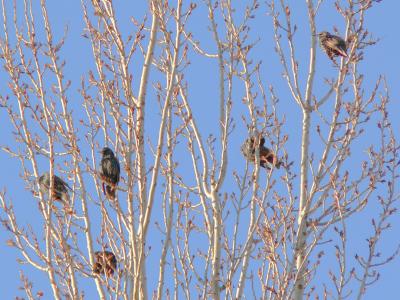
[(267, 156), (105, 263), (110, 172), (60, 188), (333, 45)]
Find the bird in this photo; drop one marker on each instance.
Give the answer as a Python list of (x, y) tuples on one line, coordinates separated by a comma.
[(60, 187), (333, 45), (110, 171), (105, 263), (267, 156)]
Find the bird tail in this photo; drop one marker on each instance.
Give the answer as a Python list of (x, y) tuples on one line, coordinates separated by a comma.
[(269, 161), (277, 163), (65, 198), (110, 192), (265, 165)]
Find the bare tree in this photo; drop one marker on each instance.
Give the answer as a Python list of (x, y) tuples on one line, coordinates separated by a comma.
[(215, 226)]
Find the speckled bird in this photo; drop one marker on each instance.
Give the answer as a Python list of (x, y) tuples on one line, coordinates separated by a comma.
[(105, 263), (333, 45), (110, 171), (267, 156), (60, 187)]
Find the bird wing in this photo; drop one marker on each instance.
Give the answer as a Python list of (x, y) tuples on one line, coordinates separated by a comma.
[(111, 169), (62, 184), (67, 186), (338, 45)]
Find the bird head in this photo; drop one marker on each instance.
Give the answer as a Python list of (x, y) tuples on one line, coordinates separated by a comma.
[(107, 152), (323, 34), (44, 179)]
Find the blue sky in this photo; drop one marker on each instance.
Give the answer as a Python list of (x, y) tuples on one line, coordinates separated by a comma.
[(382, 21)]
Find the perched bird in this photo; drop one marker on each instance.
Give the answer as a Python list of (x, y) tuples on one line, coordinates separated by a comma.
[(267, 156), (333, 45), (110, 171), (105, 263), (60, 187)]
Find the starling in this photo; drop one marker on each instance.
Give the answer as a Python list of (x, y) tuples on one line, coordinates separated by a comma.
[(267, 156), (60, 187), (105, 263), (109, 172), (333, 45)]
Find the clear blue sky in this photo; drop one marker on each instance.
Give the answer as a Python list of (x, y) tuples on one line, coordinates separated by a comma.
[(383, 22)]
